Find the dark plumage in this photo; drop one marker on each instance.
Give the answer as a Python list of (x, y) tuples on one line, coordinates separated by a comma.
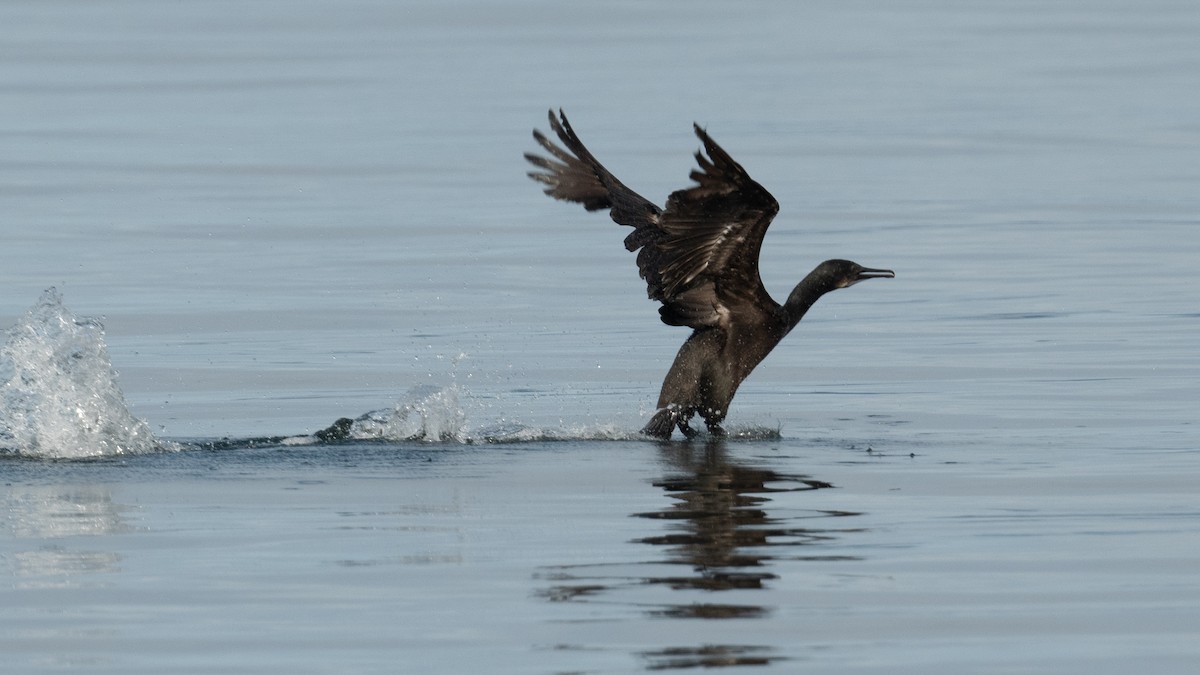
[(699, 257)]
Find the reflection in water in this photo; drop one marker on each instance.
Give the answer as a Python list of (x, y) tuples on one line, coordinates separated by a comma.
[(708, 656), (721, 537), (720, 526), (44, 518)]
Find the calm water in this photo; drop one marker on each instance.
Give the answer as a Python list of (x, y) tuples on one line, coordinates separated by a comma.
[(290, 212)]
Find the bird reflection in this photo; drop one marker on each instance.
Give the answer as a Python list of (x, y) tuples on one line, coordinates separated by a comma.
[(720, 526), (721, 535)]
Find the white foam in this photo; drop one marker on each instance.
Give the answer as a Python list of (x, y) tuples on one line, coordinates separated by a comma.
[(58, 392), (427, 413), (519, 433), (433, 414)]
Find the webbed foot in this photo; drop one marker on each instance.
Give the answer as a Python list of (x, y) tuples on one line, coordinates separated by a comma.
[(661, 424), (686, 429)]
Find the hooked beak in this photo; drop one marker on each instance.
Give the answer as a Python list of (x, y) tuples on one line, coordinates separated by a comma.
[(868, 273)]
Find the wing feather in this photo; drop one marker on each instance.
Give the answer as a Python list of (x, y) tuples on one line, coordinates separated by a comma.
[(699, 256), (714, 229), (577, 176)]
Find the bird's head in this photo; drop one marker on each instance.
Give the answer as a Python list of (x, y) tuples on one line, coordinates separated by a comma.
[(834, 274), (828, 276)]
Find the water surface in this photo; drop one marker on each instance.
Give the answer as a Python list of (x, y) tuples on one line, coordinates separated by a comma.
[(287, 213)]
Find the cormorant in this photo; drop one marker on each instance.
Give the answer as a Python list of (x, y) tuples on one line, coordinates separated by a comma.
[(699, 257)]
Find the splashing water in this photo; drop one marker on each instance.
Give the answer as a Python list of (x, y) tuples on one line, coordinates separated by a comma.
[(427, 413), (59, 400), (432, 414), (58, 392)]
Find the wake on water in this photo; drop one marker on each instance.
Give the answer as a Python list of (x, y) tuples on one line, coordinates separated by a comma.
[(59, 399), (434, 414)]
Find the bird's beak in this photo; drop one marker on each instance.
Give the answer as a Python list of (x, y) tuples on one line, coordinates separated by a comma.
[(868, 273)]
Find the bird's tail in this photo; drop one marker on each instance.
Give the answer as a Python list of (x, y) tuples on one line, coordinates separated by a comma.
[(663, 423)]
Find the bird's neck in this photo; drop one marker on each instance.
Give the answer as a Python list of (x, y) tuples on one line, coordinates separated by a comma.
[(808, 291)]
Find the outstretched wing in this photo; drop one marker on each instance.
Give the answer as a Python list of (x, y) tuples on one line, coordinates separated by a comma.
[(707, 258), (578, 177), (699, 257)]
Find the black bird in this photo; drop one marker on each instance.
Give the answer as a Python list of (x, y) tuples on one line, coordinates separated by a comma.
[(699, 257)]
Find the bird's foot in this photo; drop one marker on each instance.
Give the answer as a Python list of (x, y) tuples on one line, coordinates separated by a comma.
[(687, 431), (661, 425)]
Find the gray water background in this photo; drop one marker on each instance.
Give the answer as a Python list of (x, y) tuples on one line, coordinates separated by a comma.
[(288, 212)]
